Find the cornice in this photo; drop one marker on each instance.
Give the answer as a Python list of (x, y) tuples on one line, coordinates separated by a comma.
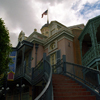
[(36, 40), (55, 36)]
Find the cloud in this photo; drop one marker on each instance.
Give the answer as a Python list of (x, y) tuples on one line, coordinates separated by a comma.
[(19, 14), (26, 14), (14, 39)]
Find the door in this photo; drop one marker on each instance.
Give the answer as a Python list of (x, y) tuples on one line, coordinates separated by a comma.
[(53, 62)]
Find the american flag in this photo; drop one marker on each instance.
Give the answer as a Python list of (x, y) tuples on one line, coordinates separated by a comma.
[(45, 13)]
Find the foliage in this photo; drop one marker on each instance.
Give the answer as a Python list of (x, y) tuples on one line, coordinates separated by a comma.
[(5, 48)]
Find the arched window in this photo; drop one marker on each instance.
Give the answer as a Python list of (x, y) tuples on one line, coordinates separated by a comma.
[(98, 35), (86, 44)]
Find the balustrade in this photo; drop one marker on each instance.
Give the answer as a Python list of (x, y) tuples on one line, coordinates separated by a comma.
[(19, 70), (88, 57), (91, 54)]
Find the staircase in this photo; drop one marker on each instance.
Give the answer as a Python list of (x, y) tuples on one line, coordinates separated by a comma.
[(65, 88)]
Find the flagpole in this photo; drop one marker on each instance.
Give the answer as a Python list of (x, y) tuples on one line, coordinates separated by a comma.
[(47, 17)]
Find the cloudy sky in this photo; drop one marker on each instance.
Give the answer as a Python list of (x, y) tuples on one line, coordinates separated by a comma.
[(26, 14)]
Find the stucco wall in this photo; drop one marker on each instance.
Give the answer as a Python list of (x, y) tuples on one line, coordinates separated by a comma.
[(66, 50), (61, 46), (40, 53), (69, 51), (77, 52)]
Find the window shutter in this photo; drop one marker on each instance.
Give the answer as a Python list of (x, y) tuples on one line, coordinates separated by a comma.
[(48, 58), (58, 56)]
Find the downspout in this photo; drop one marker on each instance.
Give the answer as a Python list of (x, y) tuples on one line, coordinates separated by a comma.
[(36, 48)]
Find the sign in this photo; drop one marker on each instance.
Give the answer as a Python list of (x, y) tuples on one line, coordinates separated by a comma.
[(12, 67)]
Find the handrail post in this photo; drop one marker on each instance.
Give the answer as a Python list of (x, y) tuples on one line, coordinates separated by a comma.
[(33, 92), (64, 63), (32, 73), (98, 76)]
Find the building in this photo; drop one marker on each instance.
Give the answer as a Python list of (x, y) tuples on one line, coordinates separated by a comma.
[(90, 47), (55, 40)]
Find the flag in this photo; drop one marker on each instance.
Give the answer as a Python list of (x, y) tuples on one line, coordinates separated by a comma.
[(45, 13)]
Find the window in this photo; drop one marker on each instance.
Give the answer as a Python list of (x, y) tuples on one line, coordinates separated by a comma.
[(53, 58), (52, 46)]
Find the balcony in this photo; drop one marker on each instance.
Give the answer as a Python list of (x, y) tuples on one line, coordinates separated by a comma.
[(91, 54)]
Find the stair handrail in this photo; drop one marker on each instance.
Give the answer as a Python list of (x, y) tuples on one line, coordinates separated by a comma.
[(38, 64), (47, 85)]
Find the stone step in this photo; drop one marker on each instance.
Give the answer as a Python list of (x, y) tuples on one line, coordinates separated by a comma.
[(80, 93), (68, 89), (67, 86), (86, 97)]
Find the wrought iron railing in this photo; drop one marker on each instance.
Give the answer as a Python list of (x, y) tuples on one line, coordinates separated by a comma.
[(28, 71), (41, 72), (58, 67), (98, 50), (37, 72), (88, 57), (19, 71), (47, 92), (91, 54), (89, 77)]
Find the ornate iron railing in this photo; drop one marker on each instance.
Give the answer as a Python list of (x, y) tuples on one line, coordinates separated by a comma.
[(37, 72), (88, 77), (47, 92), (19, 71), (98, 50), (58, 67), (42, 72), (88, 57), (91, 54)]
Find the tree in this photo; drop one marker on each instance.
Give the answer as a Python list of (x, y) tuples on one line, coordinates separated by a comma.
[(5, 48)]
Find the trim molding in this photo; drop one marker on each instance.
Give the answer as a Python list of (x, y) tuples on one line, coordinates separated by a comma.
[(55, 36)]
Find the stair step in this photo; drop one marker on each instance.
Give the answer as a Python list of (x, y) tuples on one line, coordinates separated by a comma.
[(67, 86), (59, 76), (64, 88), (71, 93), (55, 79), (86, 97), (68, 89), (64, 81)]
